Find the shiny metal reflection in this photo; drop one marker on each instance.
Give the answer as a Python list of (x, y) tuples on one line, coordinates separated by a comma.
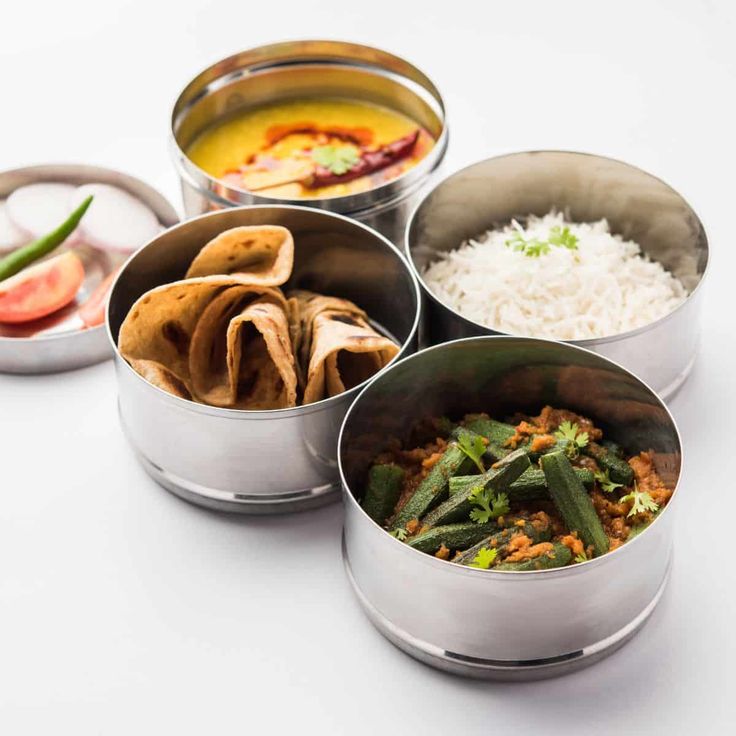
[(554, 620), (258, 461), (304, 69), (587, 188)]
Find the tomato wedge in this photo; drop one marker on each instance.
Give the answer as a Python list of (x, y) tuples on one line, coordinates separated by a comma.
[(41, 289), (92, 312)]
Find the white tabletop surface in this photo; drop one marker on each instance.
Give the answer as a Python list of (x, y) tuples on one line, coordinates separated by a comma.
[(124, 610)]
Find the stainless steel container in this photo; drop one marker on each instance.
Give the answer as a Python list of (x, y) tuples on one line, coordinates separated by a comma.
[(637, 205), (492, 624), (305, 69), (258, 461), (63, 347)]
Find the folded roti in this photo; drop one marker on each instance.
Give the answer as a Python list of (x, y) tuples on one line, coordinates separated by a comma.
[(293, 310), (160, 325), (261, 255), (241, 354), (345, 351), (229, 339), (305, 306), (161, 377)]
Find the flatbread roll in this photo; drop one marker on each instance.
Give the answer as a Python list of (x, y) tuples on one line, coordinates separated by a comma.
[(161, 377), (227, 336), (160, 325), (344, 350), (241, 355), (260, 255), (306, 305)]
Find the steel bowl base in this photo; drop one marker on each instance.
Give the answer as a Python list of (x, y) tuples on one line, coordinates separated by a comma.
[(495, 669), (242, 503), (216, 499), (672, 389)]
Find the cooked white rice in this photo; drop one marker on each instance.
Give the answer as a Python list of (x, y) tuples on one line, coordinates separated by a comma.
[(604, 287)]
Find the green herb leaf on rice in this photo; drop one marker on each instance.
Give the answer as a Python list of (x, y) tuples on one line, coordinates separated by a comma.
[(560, 237)]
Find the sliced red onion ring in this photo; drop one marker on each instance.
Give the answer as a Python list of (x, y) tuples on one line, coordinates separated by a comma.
[(115, 220), (40, 208), (11, 236)]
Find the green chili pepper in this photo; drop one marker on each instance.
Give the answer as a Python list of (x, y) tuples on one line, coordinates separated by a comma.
[(27, 254)]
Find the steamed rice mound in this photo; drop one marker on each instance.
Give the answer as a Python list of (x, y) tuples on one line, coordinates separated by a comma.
[(603, 287)]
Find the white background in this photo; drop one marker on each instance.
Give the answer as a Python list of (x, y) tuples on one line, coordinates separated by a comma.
[(126, 611)]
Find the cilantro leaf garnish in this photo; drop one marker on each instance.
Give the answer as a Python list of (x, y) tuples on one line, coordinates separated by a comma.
[(474, 447), (559, 236), (641, 502), (488, 505), (536, 248), (604, 480), (338, 159), (562, 237), (400, 534), (577, 439), (484, 559), (532, 247)]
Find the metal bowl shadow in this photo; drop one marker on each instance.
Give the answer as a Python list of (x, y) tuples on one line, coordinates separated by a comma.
[(491, 624), (587, 188), (309, 68), (258, 461), (62, 346)]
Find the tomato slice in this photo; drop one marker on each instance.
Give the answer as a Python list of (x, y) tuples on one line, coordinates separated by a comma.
[(41, 289), (92, 312)]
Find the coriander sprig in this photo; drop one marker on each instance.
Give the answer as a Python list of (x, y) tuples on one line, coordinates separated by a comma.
[(604, 481), (338, 159), (474, 447), (641, 501), (532, 247), (487, 505), (577, 440), (484, 559), (562, 237), (559, 236), (401, 534)]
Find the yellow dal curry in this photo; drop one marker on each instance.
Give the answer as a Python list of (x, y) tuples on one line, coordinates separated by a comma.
[(311, 148)]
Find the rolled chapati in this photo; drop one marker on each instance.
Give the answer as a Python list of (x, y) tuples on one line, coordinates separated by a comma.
[(260, 255), (338, 348), (241, 355), (161, 377)]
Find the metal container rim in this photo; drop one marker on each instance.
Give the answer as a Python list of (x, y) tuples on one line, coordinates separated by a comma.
[(584, 342), (193, 406), (351, 203), (506, 574), (73, 165)]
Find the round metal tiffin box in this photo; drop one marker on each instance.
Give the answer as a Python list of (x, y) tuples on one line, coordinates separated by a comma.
[(586, 188), (300, 69), (493, 624), (258, 461)]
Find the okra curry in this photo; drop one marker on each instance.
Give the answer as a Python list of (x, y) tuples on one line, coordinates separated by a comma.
[(533, 493), (311, 148)]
